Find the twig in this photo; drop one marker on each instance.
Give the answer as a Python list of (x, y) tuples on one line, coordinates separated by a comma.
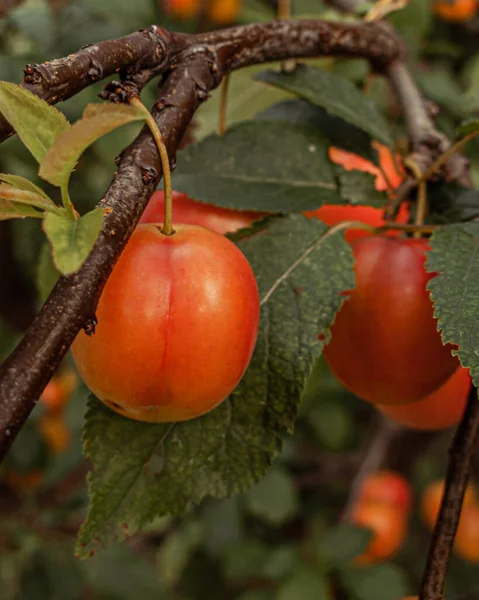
[(461, 455), (374, 456)]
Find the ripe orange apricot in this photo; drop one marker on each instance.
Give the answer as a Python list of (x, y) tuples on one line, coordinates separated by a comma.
[(440, 409), (455, 10), (59, 390), (55, 432), (385, 347), (388, 524), (387, 487), (177, 325), (224, 12), (466, 543), (182, 9), (191, 212), (431, 501)]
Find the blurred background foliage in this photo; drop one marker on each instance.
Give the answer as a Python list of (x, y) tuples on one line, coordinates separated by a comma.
[(281, 539)]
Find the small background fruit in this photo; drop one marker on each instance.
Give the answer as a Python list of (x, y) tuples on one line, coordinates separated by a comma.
[(387, 487), (455, 10)]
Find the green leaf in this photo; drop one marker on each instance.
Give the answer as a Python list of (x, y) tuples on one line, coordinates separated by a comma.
[(307, 583), (72, 241), (15, 210), (338, 96), (138, 473), (176, 550), (377, 582), (275, 498), (340, 133), (23, 184), (356, 187), (97, 120), (37, 123), (22, 196), (245, 560), (343, 543), (266, 165), (467, 128), (454, 291)]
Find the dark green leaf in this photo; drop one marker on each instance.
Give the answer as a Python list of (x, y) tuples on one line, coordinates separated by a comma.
[(275, 498), (454, 291), (377, 582), (357, 187), (343, 543), (340, 133), (338, 96), (72, 241), (231, 448), (37, 123), (267, 165), (176, 550), (97, 120), (307, 583)]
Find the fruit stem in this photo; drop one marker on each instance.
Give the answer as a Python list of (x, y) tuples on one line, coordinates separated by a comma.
[(285, 14), (449, 152), (167, 228), (223, 105), (421, 207)]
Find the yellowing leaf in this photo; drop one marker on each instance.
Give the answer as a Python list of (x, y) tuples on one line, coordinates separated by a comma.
[(22, 196), (13, 210), (97, 120), (36, 122)]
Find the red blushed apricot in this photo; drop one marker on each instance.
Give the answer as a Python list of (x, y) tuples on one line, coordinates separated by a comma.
[(189, 211), (388, 524), (431, 501), (387, 487), (182, 9), (441, 409), (385, 347), (177, 325)]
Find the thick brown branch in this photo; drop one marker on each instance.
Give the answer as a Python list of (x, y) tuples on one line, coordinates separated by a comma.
[(197, 69), (460, 461)]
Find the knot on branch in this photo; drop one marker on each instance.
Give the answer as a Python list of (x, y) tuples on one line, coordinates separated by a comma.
[(119, 92)]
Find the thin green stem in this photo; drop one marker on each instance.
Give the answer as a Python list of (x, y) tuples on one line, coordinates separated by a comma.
[(67, 203), (165, 164), (223, 105)]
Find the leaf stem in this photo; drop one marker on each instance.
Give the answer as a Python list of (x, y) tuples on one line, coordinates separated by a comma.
[(67, 203), (449, 152), (167, 228), (421, 208), (223, 105)]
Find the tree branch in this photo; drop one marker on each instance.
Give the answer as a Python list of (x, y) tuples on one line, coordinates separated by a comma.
[(461, 455), (195, 66)]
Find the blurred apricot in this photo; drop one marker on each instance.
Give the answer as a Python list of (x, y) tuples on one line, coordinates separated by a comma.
[(55, 431), (23, 482), (182, 9), (224, 12), (388, 525), (431, 501), (59, 390), (387, 487), (466, 543), (455, 10)]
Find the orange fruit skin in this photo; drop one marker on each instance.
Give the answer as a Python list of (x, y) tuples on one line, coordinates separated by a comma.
[(224, 12), (191, 212), (431, 501), (182, 9), (466, 543), (441, 409), (385, 347), (387, 487), (388, 524), (55, 432), (455, 10), (177, 325), (59, 390)]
